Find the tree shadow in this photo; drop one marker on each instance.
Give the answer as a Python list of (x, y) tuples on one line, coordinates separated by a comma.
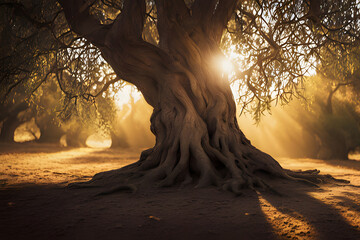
[(48, 211), (44, 212), (325, 219), (348, 203)]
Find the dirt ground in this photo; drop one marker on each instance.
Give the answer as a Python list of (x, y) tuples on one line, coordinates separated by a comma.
[(35, 204)]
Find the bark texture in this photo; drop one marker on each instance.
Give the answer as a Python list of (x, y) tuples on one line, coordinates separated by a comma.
[(198, 140)]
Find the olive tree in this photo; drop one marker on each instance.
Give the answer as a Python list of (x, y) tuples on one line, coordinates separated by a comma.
[(169, 49)]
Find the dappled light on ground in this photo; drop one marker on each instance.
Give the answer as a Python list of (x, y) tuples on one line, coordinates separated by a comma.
[(47, 163), (344, 169), (342, 198), (34, 164), (301, 212), (345, 202), (287, 223), (98, 141)]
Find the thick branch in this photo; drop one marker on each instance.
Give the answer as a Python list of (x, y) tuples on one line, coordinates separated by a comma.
[(329, 108), (130, 23), (212, 16), (314, 10), (202, 11), (172, 10), (171, 13), (21, 11), (222, 15), (81, 22)]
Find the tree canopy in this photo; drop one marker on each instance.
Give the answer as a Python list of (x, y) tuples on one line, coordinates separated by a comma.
[(276, 43)]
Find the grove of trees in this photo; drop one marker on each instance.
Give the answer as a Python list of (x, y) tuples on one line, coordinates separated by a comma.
[(170, 49)]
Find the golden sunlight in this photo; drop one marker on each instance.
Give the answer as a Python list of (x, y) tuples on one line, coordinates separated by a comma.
[(286, 222), (99, 140), (124, 95), (28, 131), (230, 64), (226, 65), (345, 204)]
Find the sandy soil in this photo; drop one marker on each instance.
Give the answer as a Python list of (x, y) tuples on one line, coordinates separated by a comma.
[(35, 205)]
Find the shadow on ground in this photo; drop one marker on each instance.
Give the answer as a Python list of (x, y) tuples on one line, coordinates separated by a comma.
[(50, 212), (31, 208)]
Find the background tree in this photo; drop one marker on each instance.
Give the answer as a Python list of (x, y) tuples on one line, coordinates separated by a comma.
[(173, 63), (10, 119), (45, 107), (12, 114), (334, 117)]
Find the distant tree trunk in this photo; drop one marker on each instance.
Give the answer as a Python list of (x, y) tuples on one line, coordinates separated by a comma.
[(198, 139), (50, 134), (8, 129), (11, 121), (333, 148), (334, 144), (118, 140), (76, 138), (49, 131)]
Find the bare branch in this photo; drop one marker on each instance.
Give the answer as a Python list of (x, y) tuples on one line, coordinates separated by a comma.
[(20, 10), (173, 17), (106, 86)]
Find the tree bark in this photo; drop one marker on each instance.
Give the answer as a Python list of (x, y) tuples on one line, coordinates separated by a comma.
[(198, 139)]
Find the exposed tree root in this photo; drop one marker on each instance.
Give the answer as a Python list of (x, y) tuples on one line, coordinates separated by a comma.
[(233, 178), (199, 147), (314, 177)]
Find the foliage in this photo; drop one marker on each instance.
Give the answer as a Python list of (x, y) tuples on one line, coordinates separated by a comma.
[(281, 42), (340, 65), (277, 43), (337, 131), (37, 45)]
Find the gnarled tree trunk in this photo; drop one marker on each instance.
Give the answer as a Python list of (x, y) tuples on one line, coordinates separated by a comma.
[(198, 139)]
